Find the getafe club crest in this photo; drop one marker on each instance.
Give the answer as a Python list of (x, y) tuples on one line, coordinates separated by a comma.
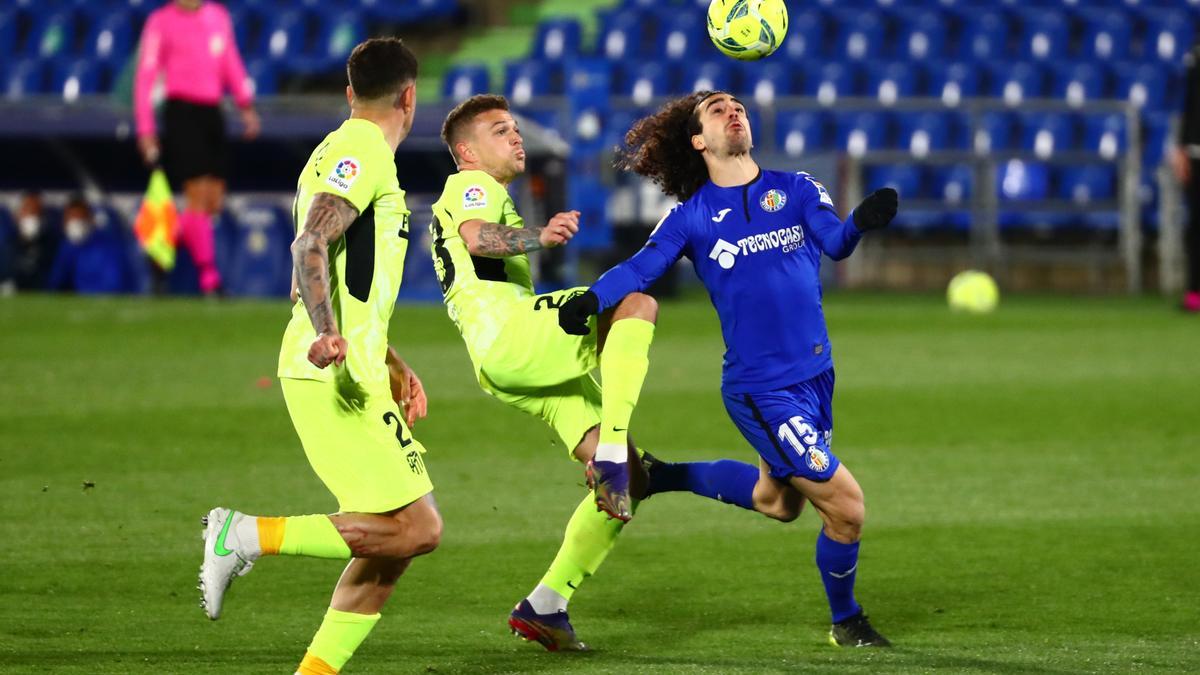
[(772, 200), (817, 459)]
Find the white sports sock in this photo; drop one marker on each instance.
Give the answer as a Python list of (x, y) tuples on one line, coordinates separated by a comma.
[(245, 530), (546, 600), (611, 452)]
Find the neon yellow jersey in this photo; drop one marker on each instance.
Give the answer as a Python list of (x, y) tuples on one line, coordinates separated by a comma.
[(478, 291), (366, 264)]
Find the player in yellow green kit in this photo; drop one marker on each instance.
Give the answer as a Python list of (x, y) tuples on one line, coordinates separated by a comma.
[(338, 373), (522, 357)]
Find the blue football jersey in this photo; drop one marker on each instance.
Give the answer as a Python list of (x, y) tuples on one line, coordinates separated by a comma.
[(757, 248)]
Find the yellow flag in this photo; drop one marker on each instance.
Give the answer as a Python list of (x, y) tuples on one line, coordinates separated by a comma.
[(157, 222)]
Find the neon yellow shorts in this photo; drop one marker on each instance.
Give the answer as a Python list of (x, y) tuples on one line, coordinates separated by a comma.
[(358, 445), (538, 369)]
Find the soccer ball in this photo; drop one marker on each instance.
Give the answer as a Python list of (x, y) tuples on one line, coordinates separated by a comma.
[(747, 30), (972, 291)]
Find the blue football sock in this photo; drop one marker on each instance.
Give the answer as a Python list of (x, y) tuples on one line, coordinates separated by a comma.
[(839, 565), (724, 480)]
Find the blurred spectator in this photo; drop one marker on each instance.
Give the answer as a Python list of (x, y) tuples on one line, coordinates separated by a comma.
[(192, 43), (34, 244), (1186, 162), (91, 259)]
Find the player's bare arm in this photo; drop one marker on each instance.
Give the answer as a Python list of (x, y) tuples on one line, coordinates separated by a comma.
[(493, 240), (328, 218)]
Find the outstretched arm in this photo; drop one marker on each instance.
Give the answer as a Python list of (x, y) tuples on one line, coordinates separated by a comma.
[(328, 218), (494, 240), (837, 237), (666, 245)]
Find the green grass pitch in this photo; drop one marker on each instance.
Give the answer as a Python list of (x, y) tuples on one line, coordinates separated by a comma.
[(1032, 482)]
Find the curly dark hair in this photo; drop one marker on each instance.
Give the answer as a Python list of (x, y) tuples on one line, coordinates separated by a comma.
[(659, 147)]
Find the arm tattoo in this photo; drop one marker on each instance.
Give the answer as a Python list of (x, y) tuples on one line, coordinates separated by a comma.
[(501, 241), (328, 217)]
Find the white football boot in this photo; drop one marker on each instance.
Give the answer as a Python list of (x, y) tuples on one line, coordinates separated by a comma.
[(226, 556)]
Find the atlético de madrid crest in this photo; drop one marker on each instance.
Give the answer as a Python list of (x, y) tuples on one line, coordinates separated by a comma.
[(772, 200)]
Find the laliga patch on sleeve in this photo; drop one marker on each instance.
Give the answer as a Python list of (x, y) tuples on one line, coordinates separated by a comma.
[(474, 197), (344, 173), (822, 193)]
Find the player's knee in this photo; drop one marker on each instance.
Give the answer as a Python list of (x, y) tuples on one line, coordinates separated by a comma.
[(428, 534), (639, 306), (845, 523)]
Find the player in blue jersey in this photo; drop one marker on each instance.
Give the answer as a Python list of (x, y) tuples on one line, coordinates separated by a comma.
[(755, 239)]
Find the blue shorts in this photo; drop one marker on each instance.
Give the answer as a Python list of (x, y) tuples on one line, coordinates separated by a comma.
[(790, 428)]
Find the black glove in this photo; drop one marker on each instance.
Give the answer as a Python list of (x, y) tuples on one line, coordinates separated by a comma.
[(877, 210), (573, 314)]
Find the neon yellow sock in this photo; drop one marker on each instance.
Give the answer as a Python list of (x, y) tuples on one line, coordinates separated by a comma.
[(589, 537), (313, 536), (623, 365), (336, 640)]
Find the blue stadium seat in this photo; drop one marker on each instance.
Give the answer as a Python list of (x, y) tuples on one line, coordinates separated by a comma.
[(1045, 34), (73, 78), (764, 82), (1048, 133), (952, 81), (110, 39), (831, 81), (622, 35), (527, 79), (1105, 134), (1107, 33), (1168, 34), (557, 39), (859, 35), (889, 82), (803, 132), (336, 35), (284, 37), (52, 34), (464, 81), (26, 77), (985, 35), (1142, 84), (921, 34), (408, 11), (1086, 185), (1017, 180), (807, 32), (643, 80), (953, 184), (996, 130), (907, 179), (8, 32), (708, 75), (858, 133), (1080, 82), (588, 81), (589, 197), (683, 36), (263, 75), (262, 262), (922, 133), (1015, 82)]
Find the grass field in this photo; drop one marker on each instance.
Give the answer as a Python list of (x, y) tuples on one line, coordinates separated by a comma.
[(1032, 480)]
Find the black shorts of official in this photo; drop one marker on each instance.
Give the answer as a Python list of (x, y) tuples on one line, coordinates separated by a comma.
[(193, 141)]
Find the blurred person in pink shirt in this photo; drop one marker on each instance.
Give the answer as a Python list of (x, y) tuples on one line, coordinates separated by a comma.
[(191, 43)]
